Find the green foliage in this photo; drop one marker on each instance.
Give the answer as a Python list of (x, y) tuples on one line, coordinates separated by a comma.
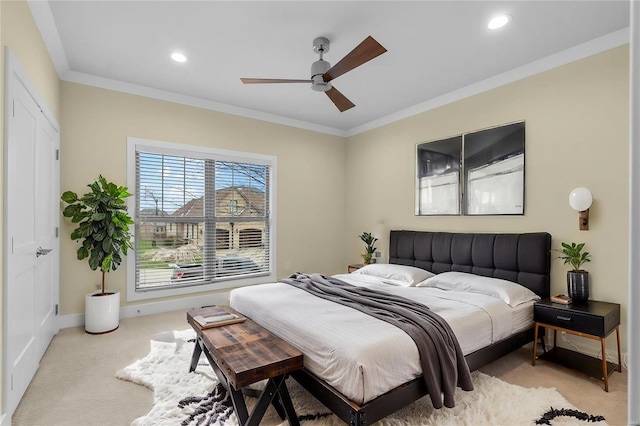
[(103, 224), (369, 241), (573, 255)]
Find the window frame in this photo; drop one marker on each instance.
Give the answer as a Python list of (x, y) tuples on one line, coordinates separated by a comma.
[(194, 151)]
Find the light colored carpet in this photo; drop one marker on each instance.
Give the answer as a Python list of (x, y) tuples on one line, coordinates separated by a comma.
[(76, 383), (492, 402)]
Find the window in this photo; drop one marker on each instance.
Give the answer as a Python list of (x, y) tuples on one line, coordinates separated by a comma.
[(203, 219)]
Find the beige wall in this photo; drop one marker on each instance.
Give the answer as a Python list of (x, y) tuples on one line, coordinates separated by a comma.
[(310, 174), (19, 32), (577, 134)]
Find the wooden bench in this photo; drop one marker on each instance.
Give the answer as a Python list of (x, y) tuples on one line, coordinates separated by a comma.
[(245, 353)]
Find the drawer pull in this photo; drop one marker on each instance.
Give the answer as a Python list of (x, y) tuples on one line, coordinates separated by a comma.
[(560, 317)]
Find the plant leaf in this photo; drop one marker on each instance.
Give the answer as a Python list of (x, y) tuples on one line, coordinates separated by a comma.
[(82, 253), (69, 197)]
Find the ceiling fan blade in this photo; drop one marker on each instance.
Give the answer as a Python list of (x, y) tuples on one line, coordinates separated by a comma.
[(271, 80), (364, 52), (340, 100)]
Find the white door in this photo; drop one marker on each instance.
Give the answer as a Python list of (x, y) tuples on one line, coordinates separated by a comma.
[(31, 227), (46, 190)]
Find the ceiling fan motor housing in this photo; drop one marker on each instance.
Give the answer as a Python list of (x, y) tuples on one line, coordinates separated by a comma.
[(318, 68)]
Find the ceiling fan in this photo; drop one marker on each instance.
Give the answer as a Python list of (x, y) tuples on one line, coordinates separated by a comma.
[(322, 72)]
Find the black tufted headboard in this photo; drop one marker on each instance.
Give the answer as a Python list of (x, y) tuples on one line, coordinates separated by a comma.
[(521, 258)]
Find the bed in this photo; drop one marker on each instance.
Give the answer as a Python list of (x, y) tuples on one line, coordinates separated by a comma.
[(351, 358)]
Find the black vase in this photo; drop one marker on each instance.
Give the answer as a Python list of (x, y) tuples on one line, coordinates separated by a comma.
[(578, 286)]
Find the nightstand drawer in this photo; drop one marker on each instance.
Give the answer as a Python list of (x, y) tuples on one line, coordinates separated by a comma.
[(573, 319), (570, 320)]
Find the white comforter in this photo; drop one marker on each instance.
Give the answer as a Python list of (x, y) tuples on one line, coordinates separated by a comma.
[(363, 357)]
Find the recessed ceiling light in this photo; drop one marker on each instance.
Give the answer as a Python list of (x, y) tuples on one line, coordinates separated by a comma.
[(178, 57), (499, 22)]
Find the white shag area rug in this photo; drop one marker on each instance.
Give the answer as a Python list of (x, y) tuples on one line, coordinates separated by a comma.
[(183, 398)]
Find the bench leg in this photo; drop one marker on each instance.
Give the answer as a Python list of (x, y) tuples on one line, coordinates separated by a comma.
[(288, 405), (267, 395), (278, 408), (254, 393), (197, 350), (275, 387), (239, 406)]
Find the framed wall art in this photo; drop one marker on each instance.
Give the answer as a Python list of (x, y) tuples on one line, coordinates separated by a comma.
[(438, 177), (475, 173)]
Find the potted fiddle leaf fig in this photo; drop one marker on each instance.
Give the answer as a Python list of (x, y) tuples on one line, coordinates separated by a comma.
[(577, 278), (369, 248), (103, 230)]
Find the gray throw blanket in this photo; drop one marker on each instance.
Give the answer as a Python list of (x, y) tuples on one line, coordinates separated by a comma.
[(443, 364)]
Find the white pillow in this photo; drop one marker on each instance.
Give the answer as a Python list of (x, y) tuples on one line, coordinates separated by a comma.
[(511, 293), (398, 274)]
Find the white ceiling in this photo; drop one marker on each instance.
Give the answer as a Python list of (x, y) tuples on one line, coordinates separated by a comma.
[(438, 51)]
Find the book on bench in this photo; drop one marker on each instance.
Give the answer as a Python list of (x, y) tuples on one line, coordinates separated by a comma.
[(215, 316)]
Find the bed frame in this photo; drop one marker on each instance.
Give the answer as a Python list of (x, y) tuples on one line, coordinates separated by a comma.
[(521, 258)]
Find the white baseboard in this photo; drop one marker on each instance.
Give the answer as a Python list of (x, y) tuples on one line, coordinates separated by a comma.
[(131, 311), (5, 420)]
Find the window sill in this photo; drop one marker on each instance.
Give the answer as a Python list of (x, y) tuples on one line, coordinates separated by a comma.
[(133, 295)]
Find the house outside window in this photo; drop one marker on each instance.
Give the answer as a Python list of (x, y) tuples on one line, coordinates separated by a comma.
[(222, 239), (204, 219), (251, 237)]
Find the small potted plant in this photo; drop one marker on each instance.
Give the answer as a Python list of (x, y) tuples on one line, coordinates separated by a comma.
[(103, 227), (369, 249), (577, 279)]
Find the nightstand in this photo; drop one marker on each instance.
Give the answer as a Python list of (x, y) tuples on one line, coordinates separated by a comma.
[(354, 267), (594, 320)]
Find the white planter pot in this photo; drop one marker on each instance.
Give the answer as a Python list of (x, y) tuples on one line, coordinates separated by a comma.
[(101, 313)]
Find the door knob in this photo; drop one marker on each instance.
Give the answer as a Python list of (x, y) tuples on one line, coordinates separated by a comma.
[(42, 251)]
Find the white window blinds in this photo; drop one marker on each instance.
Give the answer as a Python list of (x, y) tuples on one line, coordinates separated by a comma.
[(200, 218)]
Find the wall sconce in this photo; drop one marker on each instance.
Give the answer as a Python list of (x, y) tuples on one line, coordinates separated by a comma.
[(580, 200)]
